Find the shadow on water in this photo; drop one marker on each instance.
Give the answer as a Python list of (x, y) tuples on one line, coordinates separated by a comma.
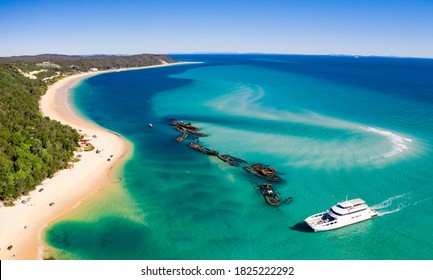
[(302, 227)]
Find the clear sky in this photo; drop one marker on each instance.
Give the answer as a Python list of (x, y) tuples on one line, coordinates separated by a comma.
[(364, 27)]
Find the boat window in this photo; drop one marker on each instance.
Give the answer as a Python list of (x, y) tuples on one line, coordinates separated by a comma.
[(335, 213), (349, 213)]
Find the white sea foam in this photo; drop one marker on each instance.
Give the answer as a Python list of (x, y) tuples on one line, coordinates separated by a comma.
[(388, 206), (396, 203), (388, 202), (399, 207), (399, 143)]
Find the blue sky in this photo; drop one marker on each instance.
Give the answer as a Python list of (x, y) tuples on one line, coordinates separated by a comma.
[(367, 27)]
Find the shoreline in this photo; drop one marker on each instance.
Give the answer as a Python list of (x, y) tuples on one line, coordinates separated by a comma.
[(23, 225)]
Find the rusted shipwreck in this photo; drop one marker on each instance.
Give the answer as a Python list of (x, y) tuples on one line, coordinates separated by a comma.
[(263, 171)]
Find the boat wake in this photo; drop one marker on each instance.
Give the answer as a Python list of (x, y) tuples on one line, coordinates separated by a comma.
[(396, 203), (388, 202), (399, 207), (388, 206)]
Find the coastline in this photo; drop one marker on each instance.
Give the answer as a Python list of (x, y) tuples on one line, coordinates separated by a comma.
[(22, 225)]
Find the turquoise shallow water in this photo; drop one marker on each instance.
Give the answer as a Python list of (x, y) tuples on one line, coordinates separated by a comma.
[(332, 126)]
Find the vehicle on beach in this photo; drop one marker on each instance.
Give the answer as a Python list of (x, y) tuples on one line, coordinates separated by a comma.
[(342, 214), (263, 171)]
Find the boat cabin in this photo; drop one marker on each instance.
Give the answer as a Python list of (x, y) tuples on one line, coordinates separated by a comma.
[(351, 203)]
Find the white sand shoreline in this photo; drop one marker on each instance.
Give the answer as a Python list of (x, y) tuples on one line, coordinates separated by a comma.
[(22, 226)]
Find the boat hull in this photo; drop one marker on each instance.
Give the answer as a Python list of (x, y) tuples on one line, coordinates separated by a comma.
[(317, 224)]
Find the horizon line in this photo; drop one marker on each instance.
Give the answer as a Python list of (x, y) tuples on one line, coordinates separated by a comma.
[(226, 53)]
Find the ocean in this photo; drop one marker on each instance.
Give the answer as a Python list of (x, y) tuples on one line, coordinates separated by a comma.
[(334, 127)]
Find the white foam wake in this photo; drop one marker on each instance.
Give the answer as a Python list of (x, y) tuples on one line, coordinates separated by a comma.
[(388, 202), (401, 201), (387, 205), (399, 207), (399, 143)]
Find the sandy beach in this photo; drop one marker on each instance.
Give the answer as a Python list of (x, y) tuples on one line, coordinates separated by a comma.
[(22, 226)]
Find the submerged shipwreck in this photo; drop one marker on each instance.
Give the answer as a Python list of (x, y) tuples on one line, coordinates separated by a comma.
[(270, 195), (234, 161), (260, 170), (185, 129), (263, 171), (202, 149)]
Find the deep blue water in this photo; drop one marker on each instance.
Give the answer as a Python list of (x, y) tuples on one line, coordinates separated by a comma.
[(333, 126)]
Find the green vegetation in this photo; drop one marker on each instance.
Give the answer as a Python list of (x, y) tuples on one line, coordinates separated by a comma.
[(52, 67), (34, 147)]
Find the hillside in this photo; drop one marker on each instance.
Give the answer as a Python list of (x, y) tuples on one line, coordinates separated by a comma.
[(52, 67)]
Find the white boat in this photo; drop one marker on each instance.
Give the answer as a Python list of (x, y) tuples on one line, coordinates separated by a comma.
[(342, 214)]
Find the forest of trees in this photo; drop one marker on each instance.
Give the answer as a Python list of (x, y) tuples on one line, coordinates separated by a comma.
[(57, 66), (34, 147)]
